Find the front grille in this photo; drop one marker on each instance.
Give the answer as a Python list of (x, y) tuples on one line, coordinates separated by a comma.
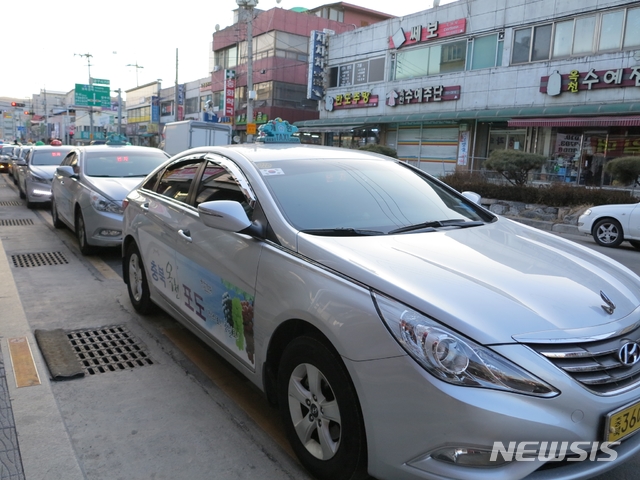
[(596, 365)]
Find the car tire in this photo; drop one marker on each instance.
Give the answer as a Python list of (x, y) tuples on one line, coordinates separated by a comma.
[(57, 223), (608, 232), (22, 195), (81, 234), (332, 444), (137, 284)]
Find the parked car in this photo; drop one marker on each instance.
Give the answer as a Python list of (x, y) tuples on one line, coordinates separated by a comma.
[(35, 175), (401, 328), (89, 186), (610, 225), (18, 162), (6, 151)]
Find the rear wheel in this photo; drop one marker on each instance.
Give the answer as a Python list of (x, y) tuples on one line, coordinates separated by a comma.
[(137, 284), (57, 223), (320, 411), (81, 233), (608, 232)]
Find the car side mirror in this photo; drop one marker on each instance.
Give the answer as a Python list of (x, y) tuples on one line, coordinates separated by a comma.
[(473, 196), (66, 171), (225, 215)]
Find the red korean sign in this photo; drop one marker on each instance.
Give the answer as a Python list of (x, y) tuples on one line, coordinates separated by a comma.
[(575, 81), (432, 31)]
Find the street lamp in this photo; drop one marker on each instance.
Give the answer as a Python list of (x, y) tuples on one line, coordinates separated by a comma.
[(248, 6)]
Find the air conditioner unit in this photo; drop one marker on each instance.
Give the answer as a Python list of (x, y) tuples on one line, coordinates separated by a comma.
[(216, 68)]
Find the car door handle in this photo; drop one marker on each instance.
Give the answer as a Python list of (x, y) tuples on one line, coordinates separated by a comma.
[(145, 206), (186, 234)]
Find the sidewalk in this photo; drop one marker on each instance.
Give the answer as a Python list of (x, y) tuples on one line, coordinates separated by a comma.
[(22, 455)]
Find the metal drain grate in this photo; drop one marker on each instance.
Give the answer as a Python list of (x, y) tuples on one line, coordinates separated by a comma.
[(15, 222), (38, 259), (108, 349), (10, 203)]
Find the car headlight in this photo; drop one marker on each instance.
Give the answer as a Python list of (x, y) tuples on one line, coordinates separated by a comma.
[(103, 204), (36, 178), (453, 358), (586, 212)]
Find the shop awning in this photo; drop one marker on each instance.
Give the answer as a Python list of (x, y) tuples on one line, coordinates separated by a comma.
[(617, 121)]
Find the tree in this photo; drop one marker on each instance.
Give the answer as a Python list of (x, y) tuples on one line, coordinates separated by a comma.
[(514, 165), (375, 148), (624, 169)]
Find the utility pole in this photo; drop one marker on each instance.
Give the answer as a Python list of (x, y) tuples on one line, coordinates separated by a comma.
[(88, 57), (137, 68), (119, 92)]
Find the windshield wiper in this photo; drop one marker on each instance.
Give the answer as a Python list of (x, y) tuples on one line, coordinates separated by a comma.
[(341, 232), (437, 224)]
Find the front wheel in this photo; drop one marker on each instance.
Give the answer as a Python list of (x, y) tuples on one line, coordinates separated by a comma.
[(320, 411), (81, 233), (608, 233), (137, 284), (57, 223)]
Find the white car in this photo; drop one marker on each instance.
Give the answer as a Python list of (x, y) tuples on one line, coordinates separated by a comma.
[(403, 330), (610, 225)]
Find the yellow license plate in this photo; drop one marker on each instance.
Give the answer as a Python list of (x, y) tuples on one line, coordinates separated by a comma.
[(622, 422)]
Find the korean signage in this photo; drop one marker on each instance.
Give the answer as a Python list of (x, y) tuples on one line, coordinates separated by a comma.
[(317, 60), (229, 92), (567, 145), (438, 93), (463, 147), (424, 33), (92, 96), (260, 117), (574, 81), (350, 100)]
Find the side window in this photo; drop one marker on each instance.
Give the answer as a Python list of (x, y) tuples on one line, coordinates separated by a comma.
[(176, 180), (218, 183)]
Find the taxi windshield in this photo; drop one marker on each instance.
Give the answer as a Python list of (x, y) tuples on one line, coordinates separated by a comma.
[(49, 157), (122, 163), (362, 196)]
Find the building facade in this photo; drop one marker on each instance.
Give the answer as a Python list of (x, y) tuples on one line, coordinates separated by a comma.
[(280, 49), (447, 86)]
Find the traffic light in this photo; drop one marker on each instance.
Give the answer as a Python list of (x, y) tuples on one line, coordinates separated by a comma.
[(17, 104)]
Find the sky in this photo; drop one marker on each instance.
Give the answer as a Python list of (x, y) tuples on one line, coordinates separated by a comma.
[(48, 46)]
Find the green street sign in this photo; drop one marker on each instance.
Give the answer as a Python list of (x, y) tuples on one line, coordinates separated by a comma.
[(92, 96), (99, 81)]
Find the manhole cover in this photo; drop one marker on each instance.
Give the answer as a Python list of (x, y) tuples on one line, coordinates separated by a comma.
[(38, 259), (11, 203), (108, 349), (11, 222)]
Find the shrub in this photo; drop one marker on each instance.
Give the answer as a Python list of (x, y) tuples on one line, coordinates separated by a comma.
[(624, 169), (375, 148), (557, 195), (514, 165)]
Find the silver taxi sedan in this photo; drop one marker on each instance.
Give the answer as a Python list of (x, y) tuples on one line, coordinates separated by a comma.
[(402, 330), (88, 187)]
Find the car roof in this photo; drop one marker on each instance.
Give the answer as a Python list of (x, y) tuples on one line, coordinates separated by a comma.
[(275, 152)]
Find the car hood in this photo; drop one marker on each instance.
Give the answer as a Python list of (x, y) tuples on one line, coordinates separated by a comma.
[(44, 171), (115, 188), (497, 283)]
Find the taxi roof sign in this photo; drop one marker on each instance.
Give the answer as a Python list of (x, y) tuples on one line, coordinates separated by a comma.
[(277, 131)]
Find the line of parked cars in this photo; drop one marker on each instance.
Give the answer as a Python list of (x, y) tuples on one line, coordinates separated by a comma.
[(401, 329)]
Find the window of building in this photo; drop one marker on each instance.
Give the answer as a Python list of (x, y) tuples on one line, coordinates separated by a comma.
[(611, 31), (433, 60), (563, 39), (191, 105), (532, 44), (227, 58), (485, 52), (584, 35), (631, 37)]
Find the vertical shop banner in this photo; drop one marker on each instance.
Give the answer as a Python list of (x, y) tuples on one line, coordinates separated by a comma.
[(229, 93), (317, 61), (463, 147)]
